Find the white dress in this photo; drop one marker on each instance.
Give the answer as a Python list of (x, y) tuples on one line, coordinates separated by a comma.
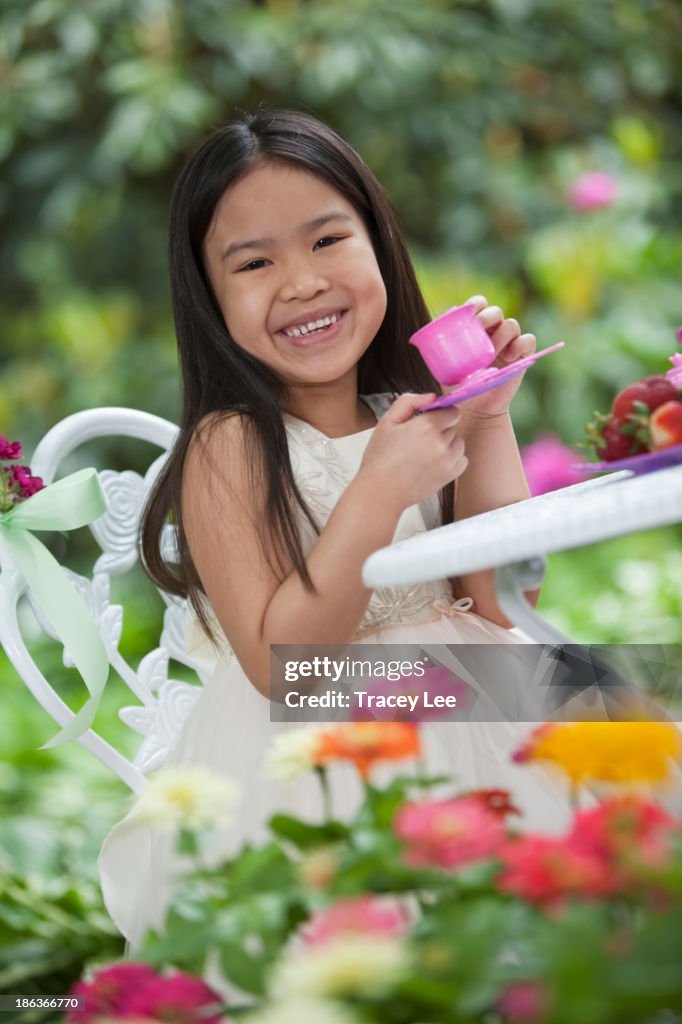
[(229, 728)]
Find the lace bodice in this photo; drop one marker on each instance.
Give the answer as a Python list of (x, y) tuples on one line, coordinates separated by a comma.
[(323, 468)]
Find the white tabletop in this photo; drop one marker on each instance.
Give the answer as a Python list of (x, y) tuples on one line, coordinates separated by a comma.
[(585, 513)]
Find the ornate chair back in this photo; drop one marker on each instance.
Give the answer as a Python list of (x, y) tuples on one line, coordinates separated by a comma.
[(163, 702)]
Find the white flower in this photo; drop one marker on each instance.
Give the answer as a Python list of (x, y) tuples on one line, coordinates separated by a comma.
[(291, 754), (190, 798), (304, 1011), (355, 965)]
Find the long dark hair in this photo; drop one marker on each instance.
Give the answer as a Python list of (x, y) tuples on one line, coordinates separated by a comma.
[(219, 378)]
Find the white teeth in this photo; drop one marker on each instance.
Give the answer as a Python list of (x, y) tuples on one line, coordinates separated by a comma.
[(316, 325)]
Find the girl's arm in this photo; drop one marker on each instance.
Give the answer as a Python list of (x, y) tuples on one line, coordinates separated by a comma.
[(407, 459), (495, 476)]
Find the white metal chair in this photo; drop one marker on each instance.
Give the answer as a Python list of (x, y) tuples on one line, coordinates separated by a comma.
[(164, 702)]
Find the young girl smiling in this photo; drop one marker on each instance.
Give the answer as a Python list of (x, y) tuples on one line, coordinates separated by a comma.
[(299, 454)]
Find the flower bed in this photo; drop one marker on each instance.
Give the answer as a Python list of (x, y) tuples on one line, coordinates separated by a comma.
[(422, 909)]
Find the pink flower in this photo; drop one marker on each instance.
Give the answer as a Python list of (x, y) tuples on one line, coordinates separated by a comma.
[(678, 335), (176, 999), (26, 484), (9, 449), (591, 191), (524, 1002), (363, 915), (675, 375), (448, 833), (545, 870), (436, 682), (547, 464), (108, 990)]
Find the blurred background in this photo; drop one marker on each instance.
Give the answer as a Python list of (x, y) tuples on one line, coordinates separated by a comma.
[(532, 149)]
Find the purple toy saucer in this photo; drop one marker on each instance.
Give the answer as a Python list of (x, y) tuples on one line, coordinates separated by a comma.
[(646, 462), (485, 380)]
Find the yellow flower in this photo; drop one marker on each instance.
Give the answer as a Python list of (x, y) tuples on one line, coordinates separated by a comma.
[(318, 869), (355, 966), (292, 753), (188, 798), (621, 752)]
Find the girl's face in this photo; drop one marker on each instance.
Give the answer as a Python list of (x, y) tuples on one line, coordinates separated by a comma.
[(294, 272)]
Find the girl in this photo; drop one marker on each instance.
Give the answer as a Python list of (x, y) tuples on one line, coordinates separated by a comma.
[(294, 298)]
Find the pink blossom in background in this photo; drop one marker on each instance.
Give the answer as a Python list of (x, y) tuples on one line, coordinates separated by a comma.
[(593, 190), (361, 915), (675, 375), (523, 1002), (678, 335), (547, 464), (448, 833)]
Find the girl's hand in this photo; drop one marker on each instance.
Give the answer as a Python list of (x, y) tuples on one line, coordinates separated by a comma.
[(510, 345), (409, 458)]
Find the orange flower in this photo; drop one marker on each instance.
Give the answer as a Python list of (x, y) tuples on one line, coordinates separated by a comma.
[(364, 743), (622, 752)]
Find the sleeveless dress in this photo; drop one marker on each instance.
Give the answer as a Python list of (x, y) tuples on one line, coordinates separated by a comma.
[(229, 728)]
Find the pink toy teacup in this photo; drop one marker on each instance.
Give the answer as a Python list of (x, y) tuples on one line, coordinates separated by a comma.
[(454, 345)]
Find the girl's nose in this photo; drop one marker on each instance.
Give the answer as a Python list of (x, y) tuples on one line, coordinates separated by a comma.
[(302, 282)]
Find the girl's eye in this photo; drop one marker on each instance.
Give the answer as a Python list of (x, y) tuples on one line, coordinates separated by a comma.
[(253, 265), (328, 240)]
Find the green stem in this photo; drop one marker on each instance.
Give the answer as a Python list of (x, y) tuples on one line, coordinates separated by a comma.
[(326, 790), (5, 505)]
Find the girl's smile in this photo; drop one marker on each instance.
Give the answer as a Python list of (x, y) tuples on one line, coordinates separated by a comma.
[(321, 326), (295, 274)]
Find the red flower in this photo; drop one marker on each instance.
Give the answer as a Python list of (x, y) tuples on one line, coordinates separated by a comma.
[(545, 870), (108, 989), (634, 836), (128, 991), (496, 800), (176, 999)]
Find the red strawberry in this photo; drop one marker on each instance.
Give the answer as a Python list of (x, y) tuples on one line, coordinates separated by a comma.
[(615, 444), (612, 438), (665, 425), (649, 391)]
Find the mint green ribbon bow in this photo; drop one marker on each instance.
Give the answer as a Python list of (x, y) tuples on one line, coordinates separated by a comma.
[(65, 505)]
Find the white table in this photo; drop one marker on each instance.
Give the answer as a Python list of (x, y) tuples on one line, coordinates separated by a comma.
[(513, 540)]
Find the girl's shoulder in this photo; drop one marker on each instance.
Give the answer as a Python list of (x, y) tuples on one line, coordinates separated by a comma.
[(221, 446)]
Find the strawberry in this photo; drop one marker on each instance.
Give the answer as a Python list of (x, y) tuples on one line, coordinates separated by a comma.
[(612, 438), (665, 425), (649, 391)]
